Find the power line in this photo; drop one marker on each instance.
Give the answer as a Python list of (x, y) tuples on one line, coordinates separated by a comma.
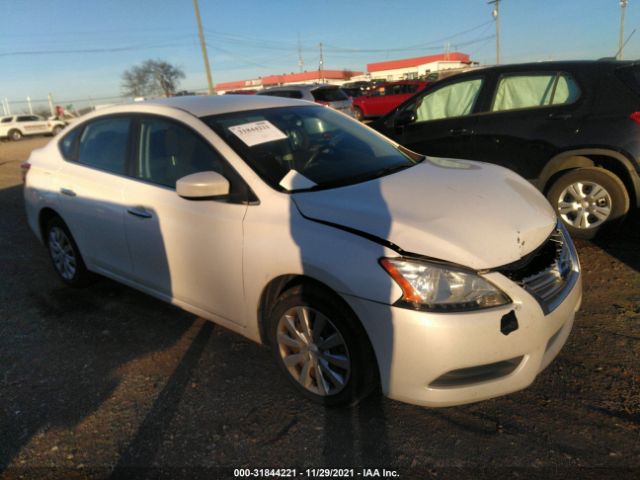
[(92, 50)]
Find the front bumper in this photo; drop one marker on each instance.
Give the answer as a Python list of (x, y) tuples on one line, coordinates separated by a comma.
[(439, 360)]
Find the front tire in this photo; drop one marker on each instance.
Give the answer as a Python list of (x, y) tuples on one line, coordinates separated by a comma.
[(587, 200), (321, 348), (65, 255), (357, 113), (56, 130)]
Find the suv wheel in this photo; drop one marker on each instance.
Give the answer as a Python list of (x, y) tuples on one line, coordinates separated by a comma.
[(15, 135), (586, 199), (321, 348), (56, 130)]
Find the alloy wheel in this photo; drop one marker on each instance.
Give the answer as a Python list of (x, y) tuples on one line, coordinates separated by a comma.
[(313, 351), (62, 253), (584, 205)]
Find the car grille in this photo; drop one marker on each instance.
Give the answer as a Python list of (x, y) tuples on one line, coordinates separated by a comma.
[(549, 272)]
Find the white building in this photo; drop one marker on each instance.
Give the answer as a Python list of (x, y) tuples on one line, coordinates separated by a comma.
[(413, 68)]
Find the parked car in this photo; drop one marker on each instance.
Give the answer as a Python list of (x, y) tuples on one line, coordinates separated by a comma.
[(15, 127), (329, 95), (355, 89), (385, 97), (571, 128), (359, 262)]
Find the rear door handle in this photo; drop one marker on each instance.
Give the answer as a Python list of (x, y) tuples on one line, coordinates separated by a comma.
[(458, 131), (68, 192), (139, 212)]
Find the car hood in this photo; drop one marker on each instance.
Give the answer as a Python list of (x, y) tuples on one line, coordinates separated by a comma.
[(470, 213)]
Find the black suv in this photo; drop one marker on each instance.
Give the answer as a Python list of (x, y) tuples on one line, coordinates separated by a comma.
[(571, 128)]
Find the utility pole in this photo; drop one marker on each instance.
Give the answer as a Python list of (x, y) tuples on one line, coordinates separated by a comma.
[(321, 66), (203, 44), (6, 102), (300, 59), (496, 16), (623, 8), (30, 106)]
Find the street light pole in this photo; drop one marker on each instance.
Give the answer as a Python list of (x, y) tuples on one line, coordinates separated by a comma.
[(623, 8), (496, 16), (203, 44)]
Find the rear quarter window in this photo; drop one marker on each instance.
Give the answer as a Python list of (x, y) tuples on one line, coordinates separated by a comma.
[(68, 145), (630, 76), (329, 95)]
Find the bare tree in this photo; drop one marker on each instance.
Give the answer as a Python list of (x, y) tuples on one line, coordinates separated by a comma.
[(153, 77)]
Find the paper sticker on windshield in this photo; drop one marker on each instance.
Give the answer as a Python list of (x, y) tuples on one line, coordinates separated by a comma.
[(255, 133)]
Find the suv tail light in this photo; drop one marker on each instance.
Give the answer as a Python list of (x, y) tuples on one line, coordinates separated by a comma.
[(635, 116), (24, 167)]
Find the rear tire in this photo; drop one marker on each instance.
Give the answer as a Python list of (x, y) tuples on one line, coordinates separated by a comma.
[(321, 348), (15, 135), (588, 200), (65, 255)]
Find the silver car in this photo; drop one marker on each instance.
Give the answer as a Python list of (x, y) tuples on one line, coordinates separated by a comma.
[(330, 95)]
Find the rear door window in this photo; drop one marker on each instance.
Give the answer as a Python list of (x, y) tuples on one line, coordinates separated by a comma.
[(329, 95), (531, 91), (104, 144)]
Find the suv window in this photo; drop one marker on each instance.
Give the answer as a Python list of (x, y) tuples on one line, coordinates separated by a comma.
[(103, 144), (329, 95), (630, 76), (7, 120), (283, 93), (528, 91), (25, 118), (168, 151), (454, 100)]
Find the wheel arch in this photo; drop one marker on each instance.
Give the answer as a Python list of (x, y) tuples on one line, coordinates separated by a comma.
[(44, 217), (278, 285), (611, 160)]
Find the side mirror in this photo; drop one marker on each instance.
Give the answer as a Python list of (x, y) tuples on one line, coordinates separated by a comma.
[(403, 118), (202, 185)]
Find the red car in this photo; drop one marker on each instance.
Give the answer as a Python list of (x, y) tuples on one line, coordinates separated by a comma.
[(385, 98)]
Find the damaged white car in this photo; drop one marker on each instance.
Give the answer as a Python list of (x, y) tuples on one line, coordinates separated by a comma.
[(358, 262)]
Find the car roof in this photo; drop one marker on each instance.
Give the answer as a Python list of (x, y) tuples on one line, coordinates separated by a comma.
[(203, 105), (552, 65)]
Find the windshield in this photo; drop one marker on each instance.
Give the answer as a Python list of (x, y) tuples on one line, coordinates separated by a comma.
[(325, 147)]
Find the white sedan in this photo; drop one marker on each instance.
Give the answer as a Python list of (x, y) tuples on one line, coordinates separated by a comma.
[(358, 262), (15, 127)]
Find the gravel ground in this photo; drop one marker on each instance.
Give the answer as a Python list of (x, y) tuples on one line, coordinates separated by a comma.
[(108, 382)]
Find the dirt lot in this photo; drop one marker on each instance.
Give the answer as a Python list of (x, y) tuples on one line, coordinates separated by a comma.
[(107, 381)]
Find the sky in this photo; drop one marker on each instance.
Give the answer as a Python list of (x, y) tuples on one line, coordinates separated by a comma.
[(77, 50)]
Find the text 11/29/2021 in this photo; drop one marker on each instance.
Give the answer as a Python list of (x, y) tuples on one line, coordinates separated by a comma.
[(313, 473)]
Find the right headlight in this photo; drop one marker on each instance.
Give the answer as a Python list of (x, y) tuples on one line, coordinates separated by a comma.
[(441, 288)]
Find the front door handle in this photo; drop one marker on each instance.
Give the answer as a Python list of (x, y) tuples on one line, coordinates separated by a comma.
[(139, 212), (458, 131), (68, 192)]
